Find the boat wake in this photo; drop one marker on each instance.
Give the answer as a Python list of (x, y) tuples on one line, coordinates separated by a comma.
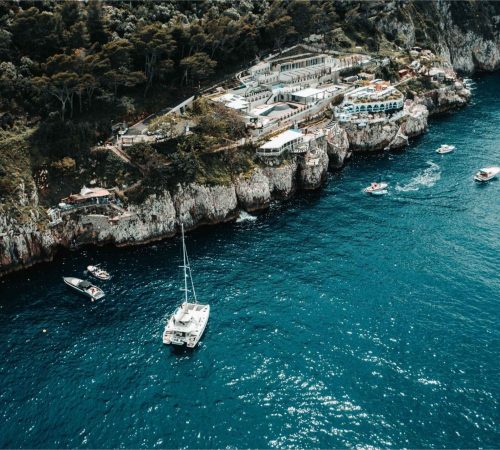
[(245, 217), (426, 178)]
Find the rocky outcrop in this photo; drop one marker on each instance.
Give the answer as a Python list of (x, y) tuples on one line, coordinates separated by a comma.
[(196, 204), (466, 35), (313, 168), (372, 136), (159, 216), (252, 191), (282, 179), (337, 147), (445, 99), (416, 120)]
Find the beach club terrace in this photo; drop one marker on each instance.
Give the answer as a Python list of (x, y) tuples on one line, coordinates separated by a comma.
[(369, 99), (285, 141), (292, 141)]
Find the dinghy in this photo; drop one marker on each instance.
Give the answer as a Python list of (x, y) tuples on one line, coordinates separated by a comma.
[(97, 272), (445, 148), (376, 189)]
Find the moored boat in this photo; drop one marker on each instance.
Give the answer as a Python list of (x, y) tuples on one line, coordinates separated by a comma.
[(97, 272), (487, 173), (84, 287), (376, 189), (187, 324), (445, 148)]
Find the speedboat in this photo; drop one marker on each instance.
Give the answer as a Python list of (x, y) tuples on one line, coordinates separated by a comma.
[(376, 189), (84, 287), (445, 148), (97, 272), (187, 324), (487, 173)]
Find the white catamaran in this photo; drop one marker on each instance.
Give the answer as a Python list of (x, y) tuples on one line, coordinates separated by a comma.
[(188, 322)]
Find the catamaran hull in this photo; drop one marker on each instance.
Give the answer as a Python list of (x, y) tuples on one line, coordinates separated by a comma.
[(204, 325), (169, 337)]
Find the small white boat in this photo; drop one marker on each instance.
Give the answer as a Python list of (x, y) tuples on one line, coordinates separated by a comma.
[(487, 173), (376, 189), (445, 148), (84, 287), (187, 324), (97, 272)]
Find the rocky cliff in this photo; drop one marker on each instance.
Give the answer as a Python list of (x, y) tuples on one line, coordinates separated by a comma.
[(465, 34), (160, 215), (390, 134), (30, 239), (445, 99)]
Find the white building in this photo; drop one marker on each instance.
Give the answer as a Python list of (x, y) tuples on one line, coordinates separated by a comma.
[(234, 101), (306, 96), (292, 141), (370, 100), (285, 141)]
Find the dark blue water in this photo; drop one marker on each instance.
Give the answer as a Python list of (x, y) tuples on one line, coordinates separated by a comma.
[(337, 319)]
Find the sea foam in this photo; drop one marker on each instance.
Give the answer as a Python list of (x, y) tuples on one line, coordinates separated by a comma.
[(425, 178)]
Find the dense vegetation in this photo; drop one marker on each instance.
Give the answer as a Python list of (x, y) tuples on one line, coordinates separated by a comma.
[(68, 69)]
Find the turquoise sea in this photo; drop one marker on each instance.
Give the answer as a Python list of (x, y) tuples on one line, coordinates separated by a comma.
[(337, 319)]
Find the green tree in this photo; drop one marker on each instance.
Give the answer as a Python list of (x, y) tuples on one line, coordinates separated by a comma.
[(197, 67), (95, 23), (35, 33), (155, 44)]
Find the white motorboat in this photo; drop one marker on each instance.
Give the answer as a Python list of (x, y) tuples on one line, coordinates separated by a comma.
[(97, 272), (487, 173), (187, 324), (376, 189), (84, 287), (445, 148)]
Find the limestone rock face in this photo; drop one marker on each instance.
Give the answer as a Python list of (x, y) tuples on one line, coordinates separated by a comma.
[(372, 137), (153, 219), (445, 99), (337, 147), (389, 135), (466, 48), (416, 122), (197, 204), (253, 192), (282, 180), (313, 168)]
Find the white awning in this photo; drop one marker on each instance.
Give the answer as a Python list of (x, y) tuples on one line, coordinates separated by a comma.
[(282, 139), (309, 92)]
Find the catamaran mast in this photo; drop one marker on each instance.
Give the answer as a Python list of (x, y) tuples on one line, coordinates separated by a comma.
[(187, 267), (184, 265)]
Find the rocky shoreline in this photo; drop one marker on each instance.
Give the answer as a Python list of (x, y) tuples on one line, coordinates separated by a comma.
[(160, 215)]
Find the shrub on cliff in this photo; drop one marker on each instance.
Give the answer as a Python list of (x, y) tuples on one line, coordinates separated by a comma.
[(57, 139), (65, 165)]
